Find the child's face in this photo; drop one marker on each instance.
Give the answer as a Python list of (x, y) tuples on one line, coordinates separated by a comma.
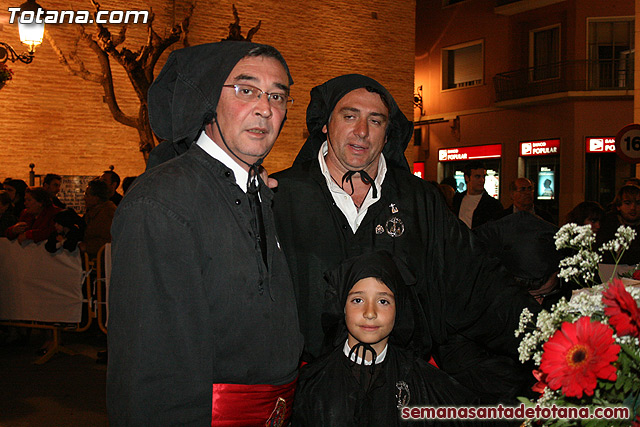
[(370, 313)]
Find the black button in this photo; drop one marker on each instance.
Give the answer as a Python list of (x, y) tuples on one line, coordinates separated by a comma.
[(227, 174), (238, 201), (344, 227)]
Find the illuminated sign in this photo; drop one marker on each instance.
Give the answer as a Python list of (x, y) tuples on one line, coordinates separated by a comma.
[(418, 169), (470, 153), (540, 148), (601, 145)]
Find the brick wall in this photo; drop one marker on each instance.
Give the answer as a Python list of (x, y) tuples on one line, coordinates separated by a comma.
[(60, 123)]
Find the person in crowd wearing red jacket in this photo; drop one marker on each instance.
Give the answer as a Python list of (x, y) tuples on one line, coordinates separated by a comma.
[(36, 220)]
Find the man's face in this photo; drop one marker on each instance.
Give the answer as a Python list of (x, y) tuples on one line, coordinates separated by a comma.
[(475, 182), (370, 313), (53, 187), (250, 128), (630, 209), (110, 184), (357, 131), (523, 194)]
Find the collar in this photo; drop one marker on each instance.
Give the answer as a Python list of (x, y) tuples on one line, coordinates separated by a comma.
[(335, 188), (379, 359), (211, 148)]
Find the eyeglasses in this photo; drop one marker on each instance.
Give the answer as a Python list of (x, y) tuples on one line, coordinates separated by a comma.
[(250, 93)]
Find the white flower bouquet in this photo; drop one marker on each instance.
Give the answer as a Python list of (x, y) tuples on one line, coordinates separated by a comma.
[(586, 350)]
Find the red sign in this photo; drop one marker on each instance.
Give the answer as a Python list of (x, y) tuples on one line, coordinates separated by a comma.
[(470, 153), (549, 147), (418, 169), (601, 145)]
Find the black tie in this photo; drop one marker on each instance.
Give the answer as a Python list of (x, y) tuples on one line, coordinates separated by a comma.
[(365, 177), (253, 191)]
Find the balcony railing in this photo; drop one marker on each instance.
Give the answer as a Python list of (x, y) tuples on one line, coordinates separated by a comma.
[(587, 75)]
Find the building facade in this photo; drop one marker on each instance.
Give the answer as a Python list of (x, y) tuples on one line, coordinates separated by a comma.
[(61, 124), (535, 88)]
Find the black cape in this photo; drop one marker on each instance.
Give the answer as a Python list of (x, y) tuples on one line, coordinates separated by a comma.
[(329, 392), (333, 391)]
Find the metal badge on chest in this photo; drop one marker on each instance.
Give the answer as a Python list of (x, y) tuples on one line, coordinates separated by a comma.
[(394, 225)]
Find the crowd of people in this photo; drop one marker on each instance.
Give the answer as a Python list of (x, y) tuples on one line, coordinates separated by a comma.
[(36, 214), (476, 207), (336, 292)]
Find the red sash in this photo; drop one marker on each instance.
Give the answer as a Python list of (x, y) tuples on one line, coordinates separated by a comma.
[(236, 405)]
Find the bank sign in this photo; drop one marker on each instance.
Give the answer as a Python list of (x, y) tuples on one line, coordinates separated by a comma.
[(548, 147), (601, 145), (470, 153)]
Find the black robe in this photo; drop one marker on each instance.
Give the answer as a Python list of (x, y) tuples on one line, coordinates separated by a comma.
[(329, 392), (191, 302)]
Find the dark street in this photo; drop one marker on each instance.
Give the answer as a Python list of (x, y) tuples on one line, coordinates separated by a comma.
[(66, 391)]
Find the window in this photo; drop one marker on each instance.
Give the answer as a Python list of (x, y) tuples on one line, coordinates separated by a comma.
[(611, 51), (462, 66), (545, 53)]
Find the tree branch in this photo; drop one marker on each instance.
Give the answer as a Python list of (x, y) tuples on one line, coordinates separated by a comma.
[(139, 64), (107, 83), (81, 72)]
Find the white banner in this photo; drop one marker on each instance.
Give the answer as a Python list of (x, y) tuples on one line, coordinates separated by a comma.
[(37, 285)]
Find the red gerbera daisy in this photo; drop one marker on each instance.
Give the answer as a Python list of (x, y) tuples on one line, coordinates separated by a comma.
[(577, 355), (622, 310)]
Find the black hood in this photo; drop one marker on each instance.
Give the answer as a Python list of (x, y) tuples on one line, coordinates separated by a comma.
[(184, 96), (324, 99), (409, 329), (524, 244)]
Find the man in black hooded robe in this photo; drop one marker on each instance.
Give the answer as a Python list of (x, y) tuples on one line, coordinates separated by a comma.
[(201, 301), (350, 191), (524, 244)]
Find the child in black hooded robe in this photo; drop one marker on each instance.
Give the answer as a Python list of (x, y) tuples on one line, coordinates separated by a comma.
[(343, 388)]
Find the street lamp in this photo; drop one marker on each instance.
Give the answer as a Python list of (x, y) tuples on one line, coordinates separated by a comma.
[(418, 101), (31, 34)]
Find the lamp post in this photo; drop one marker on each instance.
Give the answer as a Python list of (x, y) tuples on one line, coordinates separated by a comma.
[(31, 34)]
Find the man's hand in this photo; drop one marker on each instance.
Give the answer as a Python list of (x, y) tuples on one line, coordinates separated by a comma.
[(22, 237)]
